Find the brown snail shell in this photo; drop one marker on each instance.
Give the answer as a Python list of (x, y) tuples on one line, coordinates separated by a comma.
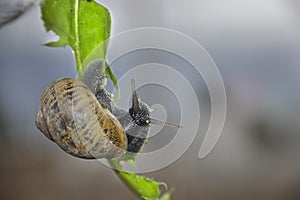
[(70, 115)]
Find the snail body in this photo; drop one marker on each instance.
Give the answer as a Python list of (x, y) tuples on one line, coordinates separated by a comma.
[(81, 117), (70, 115), (135, 121)]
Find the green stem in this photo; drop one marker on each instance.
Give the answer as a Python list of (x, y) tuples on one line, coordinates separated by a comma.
[(116, 168), (77, 42)]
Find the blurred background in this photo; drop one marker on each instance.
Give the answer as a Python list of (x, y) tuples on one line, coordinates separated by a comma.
[(255, 45)]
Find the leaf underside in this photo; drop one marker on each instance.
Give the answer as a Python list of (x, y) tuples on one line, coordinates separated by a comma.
[(81, 24)]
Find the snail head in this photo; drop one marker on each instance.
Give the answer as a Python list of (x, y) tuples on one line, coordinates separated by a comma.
[(140, 112)]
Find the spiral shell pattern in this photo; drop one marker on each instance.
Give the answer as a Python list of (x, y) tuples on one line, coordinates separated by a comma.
[(70, 115)]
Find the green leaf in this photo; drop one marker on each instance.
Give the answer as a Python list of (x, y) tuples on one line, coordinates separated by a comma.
[(82, 24), (144, 187)]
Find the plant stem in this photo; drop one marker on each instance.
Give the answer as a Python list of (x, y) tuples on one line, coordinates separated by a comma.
[(116, 168), (77, 42)]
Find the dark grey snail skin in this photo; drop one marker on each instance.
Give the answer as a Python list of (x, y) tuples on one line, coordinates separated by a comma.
[(136, 121)]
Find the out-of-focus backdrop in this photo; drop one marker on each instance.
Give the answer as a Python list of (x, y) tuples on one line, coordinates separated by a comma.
[(256, 46)]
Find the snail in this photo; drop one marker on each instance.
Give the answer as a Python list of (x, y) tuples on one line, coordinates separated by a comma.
[(82, 119)]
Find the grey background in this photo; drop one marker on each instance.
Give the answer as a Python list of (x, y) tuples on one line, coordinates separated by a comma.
[(255, 44)]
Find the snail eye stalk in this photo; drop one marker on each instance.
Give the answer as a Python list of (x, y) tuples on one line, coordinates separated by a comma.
[(158, 122), (135, 97)]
